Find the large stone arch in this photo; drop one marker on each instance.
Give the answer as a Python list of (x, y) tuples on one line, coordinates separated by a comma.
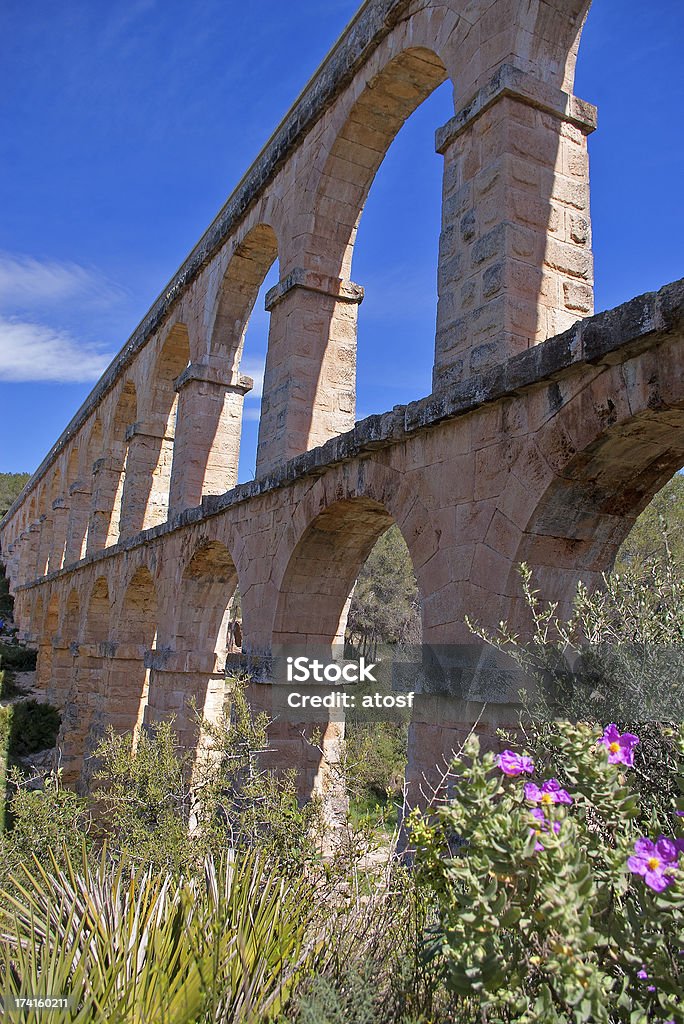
[(371, 126), (71, 620), (310, 375), (96, 531), (315, 590), (51, 491), (60, 510), (172, 360), (110, 471), (606, 452), (247, 268), (388, 496), (320, 557), (78, 498), (36, 617), (212, 392)]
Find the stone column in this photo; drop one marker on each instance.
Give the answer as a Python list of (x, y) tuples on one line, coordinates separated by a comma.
[(29, 554), (44, 545), (63, 670), (515, 262), (11, 557), (145, 499), (44, 667), (127, 688), (208, 428), (177, 678), (80, 499), (103, 512), (314, 749), (83, 719), (310, 379), (60, 525)]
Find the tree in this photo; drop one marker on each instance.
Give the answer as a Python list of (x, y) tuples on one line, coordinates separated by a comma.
[(11, 485), (385, 608), (660, 525)]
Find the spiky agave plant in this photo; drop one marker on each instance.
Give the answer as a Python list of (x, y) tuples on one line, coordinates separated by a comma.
[(131, 945)]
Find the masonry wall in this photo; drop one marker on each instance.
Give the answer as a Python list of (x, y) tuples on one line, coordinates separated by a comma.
[(548, 458)]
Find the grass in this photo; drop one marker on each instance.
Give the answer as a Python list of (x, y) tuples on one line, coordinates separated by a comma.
[(380, 812)]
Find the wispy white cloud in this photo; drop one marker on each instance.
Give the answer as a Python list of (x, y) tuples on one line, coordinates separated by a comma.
[(25, 281), (36, 352), (254, 367), (39, 299)]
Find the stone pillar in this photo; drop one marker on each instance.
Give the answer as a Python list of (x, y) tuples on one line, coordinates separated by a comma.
[(175, 680), (314, 749), (11, 557), (145, 499), (29, 554), (60, 525), (63, 670), (83, 719), (515, 261), (127, 688), (44, 545), (44, 666), (310, 379), (80, 499), (104, 515), (208, 428)]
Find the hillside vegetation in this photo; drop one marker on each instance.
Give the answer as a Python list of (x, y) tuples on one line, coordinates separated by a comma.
[(11, 485)]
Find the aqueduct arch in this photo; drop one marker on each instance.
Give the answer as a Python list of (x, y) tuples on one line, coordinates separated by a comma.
[(546, 430)]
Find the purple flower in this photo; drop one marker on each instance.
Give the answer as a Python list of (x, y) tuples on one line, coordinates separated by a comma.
[(542, 825), (515, 764), (643, 973), (620, 745), (550, 793), (655, 861)]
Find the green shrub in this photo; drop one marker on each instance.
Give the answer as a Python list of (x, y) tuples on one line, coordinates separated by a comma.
[(39, 820), (6, 602), (354, 1002), (8, 684), (540, 916), (17, 658), (619, 657), (34, 727), (159, 805)]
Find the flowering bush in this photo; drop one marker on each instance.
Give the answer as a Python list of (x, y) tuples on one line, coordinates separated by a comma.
[(564, 899)]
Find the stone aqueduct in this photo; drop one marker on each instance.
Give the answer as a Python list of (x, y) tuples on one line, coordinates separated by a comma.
[(548, 429)]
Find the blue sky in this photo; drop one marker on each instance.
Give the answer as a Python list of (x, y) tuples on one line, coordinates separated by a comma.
[(125, 126)]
